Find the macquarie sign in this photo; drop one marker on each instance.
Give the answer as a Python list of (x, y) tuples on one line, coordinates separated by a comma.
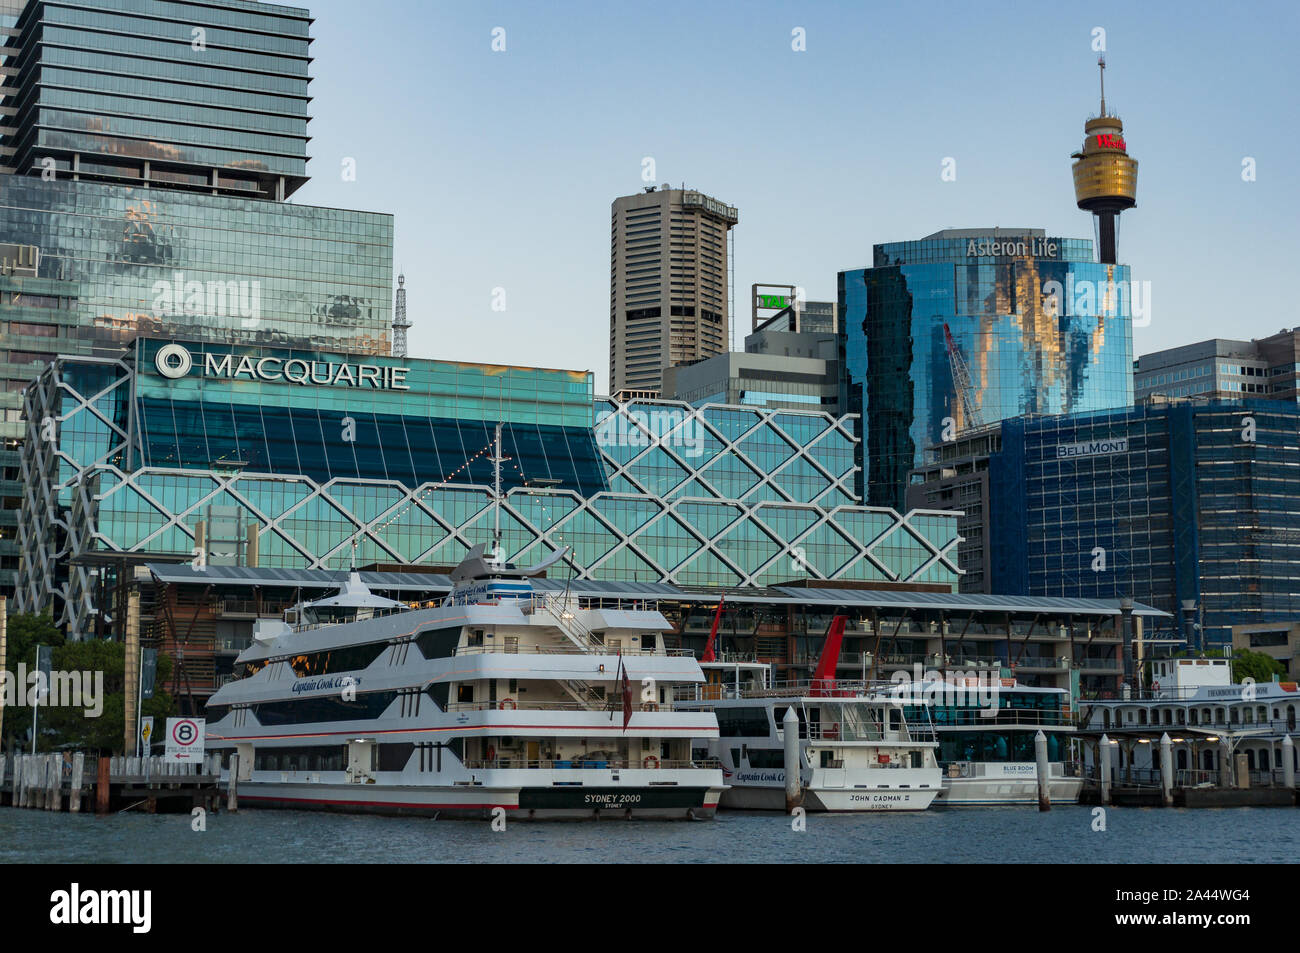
[(175, 361), (1092, 448)]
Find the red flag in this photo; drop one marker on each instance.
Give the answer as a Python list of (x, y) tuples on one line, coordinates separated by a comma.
[(627, 692), (708, 655)]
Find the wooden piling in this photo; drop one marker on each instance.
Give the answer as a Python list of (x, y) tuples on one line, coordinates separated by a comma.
[(56, 783), (74, 792), (101, 786)]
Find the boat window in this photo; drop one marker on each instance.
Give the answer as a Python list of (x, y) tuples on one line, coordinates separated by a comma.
[(251, 668), (465, 693), (766, 758), (317, 758), (348, 659), (394, 757), (331, 707), (743, 723), (438, 643)]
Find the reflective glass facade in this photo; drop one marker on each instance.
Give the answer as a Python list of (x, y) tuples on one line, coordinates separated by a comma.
[(642, 492), (182, 94), (153, 142), (1041, 328), (1164, 503), (152, 261)]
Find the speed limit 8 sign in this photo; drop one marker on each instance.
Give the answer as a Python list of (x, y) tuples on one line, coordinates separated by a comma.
[(184, 739)]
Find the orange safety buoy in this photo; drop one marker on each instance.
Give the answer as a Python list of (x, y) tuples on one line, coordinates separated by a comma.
[(507, 704), (650, 762)]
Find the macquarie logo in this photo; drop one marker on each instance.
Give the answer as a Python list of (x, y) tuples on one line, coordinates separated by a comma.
[(174, 361), (102, 907)]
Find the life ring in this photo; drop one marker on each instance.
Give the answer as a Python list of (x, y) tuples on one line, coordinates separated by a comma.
[(650, 762), (507, 704), (491, 753), (1155, 686)]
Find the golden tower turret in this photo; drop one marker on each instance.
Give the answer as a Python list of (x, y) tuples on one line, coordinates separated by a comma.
[(1105, 177)]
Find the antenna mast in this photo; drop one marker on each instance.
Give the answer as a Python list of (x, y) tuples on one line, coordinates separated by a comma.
[(496, 495), (400, 322), (1101, 62)]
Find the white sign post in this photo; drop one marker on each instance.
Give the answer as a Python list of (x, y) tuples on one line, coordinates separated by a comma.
[(185, 738)]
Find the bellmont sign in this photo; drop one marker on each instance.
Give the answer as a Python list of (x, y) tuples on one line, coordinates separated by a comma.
[(174, 361), (1092, 448)]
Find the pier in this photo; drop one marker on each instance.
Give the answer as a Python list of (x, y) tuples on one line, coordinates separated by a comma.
[(76, 781), (1146, 788)]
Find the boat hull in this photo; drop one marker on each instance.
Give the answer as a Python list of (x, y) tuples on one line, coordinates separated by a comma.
[(983, 792), (479, 802), (829, 800)]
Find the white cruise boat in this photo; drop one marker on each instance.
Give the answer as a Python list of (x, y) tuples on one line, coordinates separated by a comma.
[(499, 697), (986, 728), (859, 750)]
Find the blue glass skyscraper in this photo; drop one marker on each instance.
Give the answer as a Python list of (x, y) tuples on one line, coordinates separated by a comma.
[(1041, 328)]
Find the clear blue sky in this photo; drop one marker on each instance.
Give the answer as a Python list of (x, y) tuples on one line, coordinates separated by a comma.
[(500, 167)]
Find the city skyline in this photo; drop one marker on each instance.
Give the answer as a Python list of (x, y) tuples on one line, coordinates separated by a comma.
[(817, 190)]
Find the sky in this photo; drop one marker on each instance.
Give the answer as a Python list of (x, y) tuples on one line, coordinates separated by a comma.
[(500, 166)]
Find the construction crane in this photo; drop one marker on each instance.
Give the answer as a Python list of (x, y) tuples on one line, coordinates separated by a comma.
[(970, 415)]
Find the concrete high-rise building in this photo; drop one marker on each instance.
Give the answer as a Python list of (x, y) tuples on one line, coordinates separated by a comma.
[(1263, 367), (146, 150), (791, 360), (669, 290)]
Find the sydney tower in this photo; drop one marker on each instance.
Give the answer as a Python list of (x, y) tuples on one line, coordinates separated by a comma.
[(1105, 178)]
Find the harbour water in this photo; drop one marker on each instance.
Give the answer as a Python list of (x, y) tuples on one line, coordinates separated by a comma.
[(989, 835)]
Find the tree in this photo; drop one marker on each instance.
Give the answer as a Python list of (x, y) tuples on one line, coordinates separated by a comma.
[(1256, 665), (98, 721)]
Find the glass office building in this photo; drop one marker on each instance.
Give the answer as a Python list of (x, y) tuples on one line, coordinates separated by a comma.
[(180, 94), (1189, 506), (1039, 327), (284, 458), (145, 155)]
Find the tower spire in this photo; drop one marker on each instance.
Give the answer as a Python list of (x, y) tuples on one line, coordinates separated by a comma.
[(1101, 63)]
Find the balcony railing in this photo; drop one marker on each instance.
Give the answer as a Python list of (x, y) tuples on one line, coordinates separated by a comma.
[(601, 706), (596, 764)]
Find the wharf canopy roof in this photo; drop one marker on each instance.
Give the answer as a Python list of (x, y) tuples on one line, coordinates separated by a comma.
[(183, 573)]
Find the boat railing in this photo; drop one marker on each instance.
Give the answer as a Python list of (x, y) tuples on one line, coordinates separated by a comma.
[(596, 764), (819, 688), (515, 649), (999, 717), (612, 703)]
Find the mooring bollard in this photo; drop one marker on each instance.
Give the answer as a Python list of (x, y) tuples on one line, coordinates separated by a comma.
[(1103, 764), (793, 760), (1166, 770), (1044, 770), (1288, 763), (232, 786)]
